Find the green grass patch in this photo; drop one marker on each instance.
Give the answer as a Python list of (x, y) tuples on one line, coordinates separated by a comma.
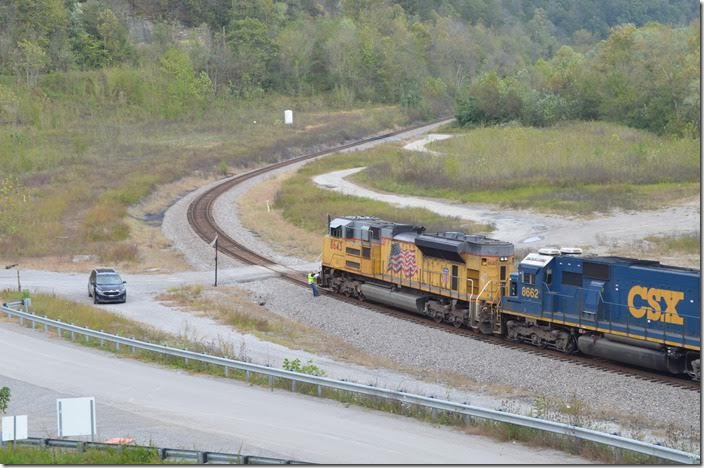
[(307, 206), (686, 244), (578, 167), (19, 455)]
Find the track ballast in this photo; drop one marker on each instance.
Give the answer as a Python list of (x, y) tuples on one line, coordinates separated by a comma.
[(201, 218)]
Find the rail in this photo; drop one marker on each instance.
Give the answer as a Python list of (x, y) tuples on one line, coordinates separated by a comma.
[(612, 440), (168, 454)]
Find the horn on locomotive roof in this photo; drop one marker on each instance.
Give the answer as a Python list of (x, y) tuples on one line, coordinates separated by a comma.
[(570, 251), (549, 251)]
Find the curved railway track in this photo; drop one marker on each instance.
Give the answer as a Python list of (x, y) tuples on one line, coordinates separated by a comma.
[(201, 218)]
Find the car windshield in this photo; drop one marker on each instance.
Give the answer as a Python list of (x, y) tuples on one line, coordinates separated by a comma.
[(109, 280)]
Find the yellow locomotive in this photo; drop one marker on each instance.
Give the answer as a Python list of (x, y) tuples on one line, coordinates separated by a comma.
[(450, 276)]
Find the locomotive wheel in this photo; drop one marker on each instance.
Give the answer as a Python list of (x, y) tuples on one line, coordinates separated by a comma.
[(537, 341), (457, 322), (437, 317)]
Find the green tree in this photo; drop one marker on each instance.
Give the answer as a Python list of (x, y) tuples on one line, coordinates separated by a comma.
[(254, 53), (30, 60), (185, 88), (4, 399), (114, 37)]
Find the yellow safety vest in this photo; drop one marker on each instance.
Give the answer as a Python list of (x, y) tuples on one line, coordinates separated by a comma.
[(311, 278)]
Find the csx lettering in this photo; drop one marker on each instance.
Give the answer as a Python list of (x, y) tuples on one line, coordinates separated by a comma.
[(529, 292), (335, 244), (644, 301)]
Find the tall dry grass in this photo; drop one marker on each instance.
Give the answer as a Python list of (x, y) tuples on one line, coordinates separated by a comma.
[(577, 167), (306, 206), (81, 147)]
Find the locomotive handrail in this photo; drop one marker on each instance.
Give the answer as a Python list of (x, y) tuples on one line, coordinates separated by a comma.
[(646, 448), (485, 285)]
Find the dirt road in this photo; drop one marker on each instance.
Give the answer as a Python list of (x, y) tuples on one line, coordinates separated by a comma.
[(529, 229)]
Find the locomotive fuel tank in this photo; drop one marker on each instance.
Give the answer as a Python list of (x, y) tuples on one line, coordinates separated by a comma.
[(635, 353), (403, 300)]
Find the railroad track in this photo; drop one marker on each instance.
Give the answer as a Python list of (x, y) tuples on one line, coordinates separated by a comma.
[(201, 218)]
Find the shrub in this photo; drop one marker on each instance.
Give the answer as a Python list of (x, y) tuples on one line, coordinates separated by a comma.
[(309, 368)]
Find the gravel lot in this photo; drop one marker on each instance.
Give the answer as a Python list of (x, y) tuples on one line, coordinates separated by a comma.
[(432, 351)]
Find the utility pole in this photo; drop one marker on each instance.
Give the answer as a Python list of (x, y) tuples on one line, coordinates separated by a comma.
[(215, 244)]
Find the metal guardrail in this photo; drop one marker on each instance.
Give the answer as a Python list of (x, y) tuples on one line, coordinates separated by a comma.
[(459, 408), (168, 454)]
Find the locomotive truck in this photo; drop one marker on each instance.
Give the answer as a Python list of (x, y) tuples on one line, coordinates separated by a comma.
[(634, 311)]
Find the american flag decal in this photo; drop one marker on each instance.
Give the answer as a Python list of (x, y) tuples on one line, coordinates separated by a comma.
[(402, 261)]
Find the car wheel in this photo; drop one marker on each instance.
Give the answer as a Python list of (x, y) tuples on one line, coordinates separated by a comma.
[(125, 299), (95, 298)]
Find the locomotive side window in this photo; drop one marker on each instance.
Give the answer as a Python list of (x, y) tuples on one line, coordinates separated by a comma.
[(351, 251), (366, 252), (514, 289), (548, 275), (573, 279), (336, 231), (597, 271), (349, 233), (376, 233), (528, 278)]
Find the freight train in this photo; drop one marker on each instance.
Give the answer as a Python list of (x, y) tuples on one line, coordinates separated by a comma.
[(634, 311)]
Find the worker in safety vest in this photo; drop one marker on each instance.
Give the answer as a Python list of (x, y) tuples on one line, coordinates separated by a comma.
[(312, 281)]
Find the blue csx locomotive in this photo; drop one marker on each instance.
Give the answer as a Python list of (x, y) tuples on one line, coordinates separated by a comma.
[(634, 311)]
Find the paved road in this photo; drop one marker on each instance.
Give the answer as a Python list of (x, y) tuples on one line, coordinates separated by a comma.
[(252, 418)]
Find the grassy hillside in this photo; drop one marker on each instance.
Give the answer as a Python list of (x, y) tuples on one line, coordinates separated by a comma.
[(581, 168), (81, 147)]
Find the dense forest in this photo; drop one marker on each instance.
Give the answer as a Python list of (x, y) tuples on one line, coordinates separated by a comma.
[(537, 61)]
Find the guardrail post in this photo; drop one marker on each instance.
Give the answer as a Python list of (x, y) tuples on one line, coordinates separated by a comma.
[(21, 321), (202, 458), (34, 324), (161, 452), (320, 391), (247, 375), (133, 348), (271, 382), (81, 447), (227, 371), (293, 385), (73, 336), (46, 328)]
